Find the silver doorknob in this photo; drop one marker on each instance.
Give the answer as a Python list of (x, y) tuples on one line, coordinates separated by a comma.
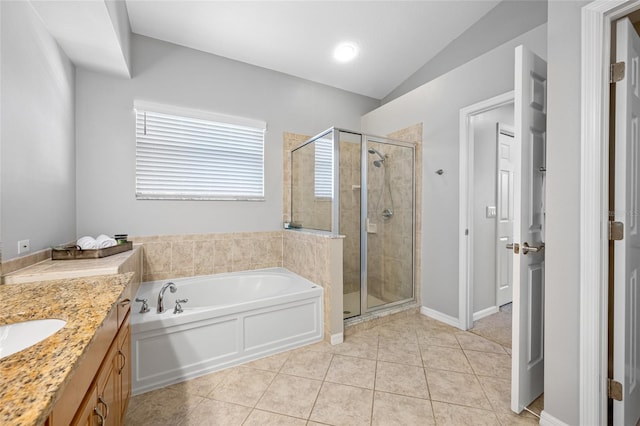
[(526, 248), (513, 246)]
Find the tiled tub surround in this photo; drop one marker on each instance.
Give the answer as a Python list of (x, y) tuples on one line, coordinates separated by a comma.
[(317, 256), (34, 378), (187, 255)]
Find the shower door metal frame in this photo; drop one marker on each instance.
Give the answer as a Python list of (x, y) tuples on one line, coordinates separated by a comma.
[(364, 214)]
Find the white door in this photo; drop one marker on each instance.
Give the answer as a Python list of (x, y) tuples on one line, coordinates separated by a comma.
[(626, 264), (527, 369), (504, 214)]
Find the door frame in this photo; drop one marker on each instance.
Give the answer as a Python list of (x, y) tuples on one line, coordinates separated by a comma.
[(597, 22), (465, 242)]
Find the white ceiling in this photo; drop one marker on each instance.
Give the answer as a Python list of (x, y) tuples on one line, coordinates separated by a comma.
[(298, 37)]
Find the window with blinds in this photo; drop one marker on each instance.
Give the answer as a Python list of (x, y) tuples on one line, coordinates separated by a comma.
[(323, 176), (192, 155)]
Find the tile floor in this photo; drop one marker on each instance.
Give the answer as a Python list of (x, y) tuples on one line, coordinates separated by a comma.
[(411, 371)]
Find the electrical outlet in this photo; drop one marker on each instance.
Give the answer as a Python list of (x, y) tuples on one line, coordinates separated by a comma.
[(24, 246)]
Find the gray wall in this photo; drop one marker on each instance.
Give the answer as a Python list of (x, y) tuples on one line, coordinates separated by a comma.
[(170, 74), (562, 282), (437, 104), (504, 22), (484, 192), (36, 136)]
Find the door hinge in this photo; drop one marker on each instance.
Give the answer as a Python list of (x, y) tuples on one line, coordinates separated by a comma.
[(616, 231), (616, 72), (614, 390)]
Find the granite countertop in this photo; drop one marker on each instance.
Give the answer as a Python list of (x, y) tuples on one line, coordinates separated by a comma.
[(59, 269), (34, 378)]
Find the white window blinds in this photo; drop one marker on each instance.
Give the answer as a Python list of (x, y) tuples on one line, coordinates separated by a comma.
[(323, 177), (191, 155)]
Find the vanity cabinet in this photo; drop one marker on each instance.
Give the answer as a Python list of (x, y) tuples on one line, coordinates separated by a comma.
[(99, 391)]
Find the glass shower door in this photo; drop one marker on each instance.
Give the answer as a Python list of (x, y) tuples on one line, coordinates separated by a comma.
[(389, 223), (349, 220)]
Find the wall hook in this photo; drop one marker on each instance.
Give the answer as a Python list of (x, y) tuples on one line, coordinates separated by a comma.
[(439, 172)]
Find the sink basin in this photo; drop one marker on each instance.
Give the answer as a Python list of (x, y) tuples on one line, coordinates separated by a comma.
[(21, 335)]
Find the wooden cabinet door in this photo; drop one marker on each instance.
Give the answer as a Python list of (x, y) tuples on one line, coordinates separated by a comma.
[(108, 400), (86, 416)]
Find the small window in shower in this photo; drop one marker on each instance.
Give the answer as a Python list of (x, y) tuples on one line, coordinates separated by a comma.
[(323, 173)]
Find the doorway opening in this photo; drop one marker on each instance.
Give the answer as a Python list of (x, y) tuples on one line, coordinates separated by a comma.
[(486, 207)]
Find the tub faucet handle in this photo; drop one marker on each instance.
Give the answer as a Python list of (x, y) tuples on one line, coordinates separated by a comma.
[(178, 309), (145, 307)]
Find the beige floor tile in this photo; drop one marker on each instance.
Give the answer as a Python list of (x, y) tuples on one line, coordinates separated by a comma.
[(443, 358), (290, 395), (357, 346), (352, 371), (457, 415), (456, 388), (343, 405), (401, 353), (496, 327), (393, 334), (401, 379), (264, 418), (390, 409), (473, 342), (243, 386), (498, 391), (270, 363), (318, 347), (161, 407), (211, 412), (201, 386), (309, 364), (438, 338), (490, 364)]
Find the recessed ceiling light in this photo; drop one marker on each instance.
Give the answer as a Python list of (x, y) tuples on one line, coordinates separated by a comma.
[(345, 52)]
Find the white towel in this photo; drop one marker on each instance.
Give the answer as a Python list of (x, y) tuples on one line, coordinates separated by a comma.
[(103, 241), (87, 243)]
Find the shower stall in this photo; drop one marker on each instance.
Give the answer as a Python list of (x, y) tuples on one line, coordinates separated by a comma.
[(362, 187)]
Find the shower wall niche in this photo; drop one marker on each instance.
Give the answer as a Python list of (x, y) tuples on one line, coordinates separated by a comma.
[(362, 187)]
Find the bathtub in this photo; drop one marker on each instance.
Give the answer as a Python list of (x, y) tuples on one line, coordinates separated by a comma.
[(229, 319)]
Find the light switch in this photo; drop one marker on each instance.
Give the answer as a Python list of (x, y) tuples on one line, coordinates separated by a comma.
[(491, 212)]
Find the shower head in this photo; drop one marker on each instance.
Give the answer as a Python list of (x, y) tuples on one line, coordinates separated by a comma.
[(375, 151), (382, 156)]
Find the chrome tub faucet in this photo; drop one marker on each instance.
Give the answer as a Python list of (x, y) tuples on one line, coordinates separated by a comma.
[(172, 288)]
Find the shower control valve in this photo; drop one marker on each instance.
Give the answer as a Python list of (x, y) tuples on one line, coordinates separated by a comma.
[(178, 309)]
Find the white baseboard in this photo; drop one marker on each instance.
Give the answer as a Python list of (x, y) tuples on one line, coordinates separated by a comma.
[(485, 312), (547, 419), (337, 338), (447, 319)]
